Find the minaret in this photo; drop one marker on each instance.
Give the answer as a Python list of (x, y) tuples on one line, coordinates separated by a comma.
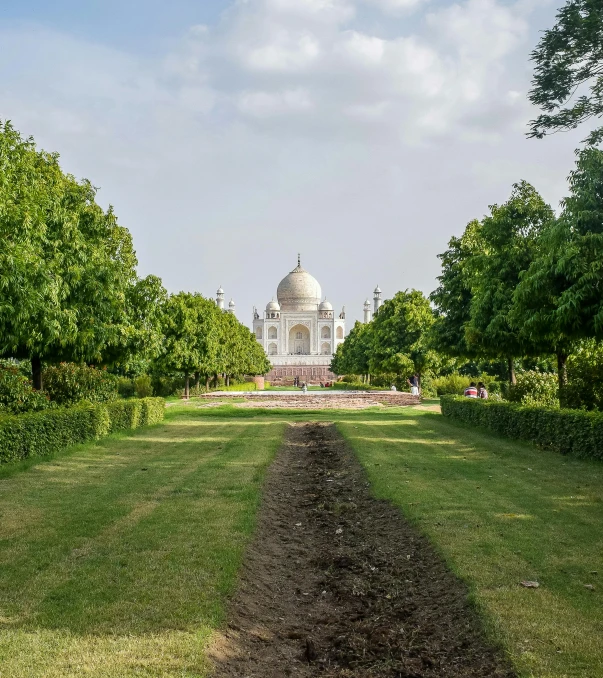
[(377, 300), (220, 298), (231, 306), (367, 311)]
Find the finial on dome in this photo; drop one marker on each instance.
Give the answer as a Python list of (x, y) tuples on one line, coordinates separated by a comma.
[(298, 259)]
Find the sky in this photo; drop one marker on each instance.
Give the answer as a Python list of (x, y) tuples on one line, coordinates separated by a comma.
[(229, 135)]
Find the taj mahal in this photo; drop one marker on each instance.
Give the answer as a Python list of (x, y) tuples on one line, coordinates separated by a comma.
[(300, 331)]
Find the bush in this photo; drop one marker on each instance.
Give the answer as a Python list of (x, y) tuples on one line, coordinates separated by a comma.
[(165, 387), (245, 386), (68, 384), (585, 377), (125, 387), (455, 384), (572, 432), (349, 386), (41, 434), (535, 388), (143, 387), (17, 395)]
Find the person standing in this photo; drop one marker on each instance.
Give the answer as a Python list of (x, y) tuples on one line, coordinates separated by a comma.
[(481, 391), (414, 384)]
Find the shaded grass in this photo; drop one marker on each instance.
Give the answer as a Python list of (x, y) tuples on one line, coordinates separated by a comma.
[(116, 558)]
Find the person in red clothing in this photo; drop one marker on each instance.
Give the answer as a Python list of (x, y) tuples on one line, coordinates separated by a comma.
[(471, 390)]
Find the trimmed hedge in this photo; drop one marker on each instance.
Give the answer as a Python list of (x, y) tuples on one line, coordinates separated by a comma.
[(574, 432), (40, 434)]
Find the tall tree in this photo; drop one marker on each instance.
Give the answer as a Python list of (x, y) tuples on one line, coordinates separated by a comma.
[(509, 238), (190, 336), (569, 60), (401, 335), (65, 264), (559, 300), (452, 298)]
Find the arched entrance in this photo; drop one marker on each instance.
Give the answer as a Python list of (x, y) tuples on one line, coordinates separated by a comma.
[(299, 340)]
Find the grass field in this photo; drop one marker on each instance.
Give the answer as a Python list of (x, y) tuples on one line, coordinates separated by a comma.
[(117, 558)]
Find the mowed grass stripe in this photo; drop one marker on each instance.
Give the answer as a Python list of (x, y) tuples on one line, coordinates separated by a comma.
[(501, 512), (111, 570)]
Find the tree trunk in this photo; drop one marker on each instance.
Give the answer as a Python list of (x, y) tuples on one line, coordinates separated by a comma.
[(36, 372), (197, 379), (227, 383), (207, 382), (512, 377), (562, 376), (186, 389), (215, 380)]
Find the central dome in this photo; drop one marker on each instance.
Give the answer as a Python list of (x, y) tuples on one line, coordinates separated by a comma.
[(299, 291)]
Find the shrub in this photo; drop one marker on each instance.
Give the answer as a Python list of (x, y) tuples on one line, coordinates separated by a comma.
[(40, 434), (68, 384), (165, 387), (245, 386), (572, 432), (17, 395), (585, 377), (143, 387), (125, 387), (349, 386), (534, 388)]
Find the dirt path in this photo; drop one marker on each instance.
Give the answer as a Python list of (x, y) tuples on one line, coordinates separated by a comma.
[(336, 583)]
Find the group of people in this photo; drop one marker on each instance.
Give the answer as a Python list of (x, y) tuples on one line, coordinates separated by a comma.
[(479, 391)]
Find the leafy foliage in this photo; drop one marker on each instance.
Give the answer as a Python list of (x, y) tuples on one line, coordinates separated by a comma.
[(568, 61), (585, 377), (567, 431), (17, 395), (452, 298), (535, 388), (65, 264), (509, 242), (68, 384), (41, 434)]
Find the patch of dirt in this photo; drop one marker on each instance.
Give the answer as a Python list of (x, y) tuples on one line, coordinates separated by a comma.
[(338, 584)]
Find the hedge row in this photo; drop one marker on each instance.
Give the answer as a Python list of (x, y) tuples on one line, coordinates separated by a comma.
[(574, 432), (39, 434)]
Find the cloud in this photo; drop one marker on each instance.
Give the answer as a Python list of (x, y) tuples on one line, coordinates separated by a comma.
[(396, 7)]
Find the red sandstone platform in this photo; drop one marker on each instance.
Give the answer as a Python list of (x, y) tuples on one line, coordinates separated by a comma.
[(315, 399)]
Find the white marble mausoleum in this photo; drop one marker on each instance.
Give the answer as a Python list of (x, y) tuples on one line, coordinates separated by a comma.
[(299, 331)]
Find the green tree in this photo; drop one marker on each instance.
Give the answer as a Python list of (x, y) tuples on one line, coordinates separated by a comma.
[(452, 298), (65, 264), (559, 302), (401, 335), (569, 60), (190, 336), (352, 356), (510, 237)]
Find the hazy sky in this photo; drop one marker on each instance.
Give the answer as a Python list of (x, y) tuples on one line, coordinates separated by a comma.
[(231, 135)]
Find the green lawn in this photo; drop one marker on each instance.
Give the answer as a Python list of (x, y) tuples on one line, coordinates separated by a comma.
[(116, 559), (502, 512)]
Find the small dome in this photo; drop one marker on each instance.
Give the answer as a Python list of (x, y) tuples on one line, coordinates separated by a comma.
[(231, 304), (325, 306), (367, 304), (377, 290), (273, 306), (220, 290)]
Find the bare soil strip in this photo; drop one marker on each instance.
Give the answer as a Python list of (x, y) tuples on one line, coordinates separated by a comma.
[(338, 584)]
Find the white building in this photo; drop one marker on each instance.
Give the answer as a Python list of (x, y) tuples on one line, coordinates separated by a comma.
[(300, 331)]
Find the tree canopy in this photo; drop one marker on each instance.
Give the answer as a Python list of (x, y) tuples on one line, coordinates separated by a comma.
[(568, 77)]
